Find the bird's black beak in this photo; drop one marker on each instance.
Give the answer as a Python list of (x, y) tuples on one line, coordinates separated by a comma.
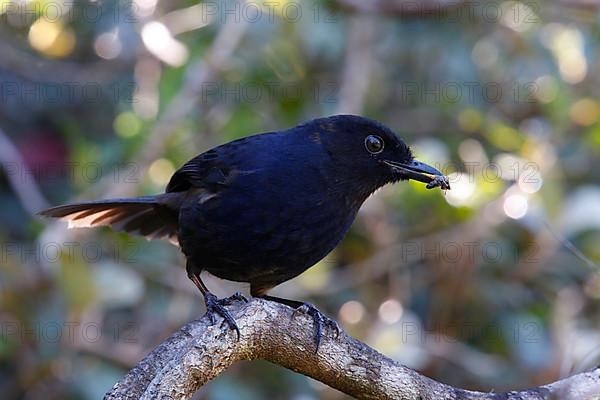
[(420, 172)]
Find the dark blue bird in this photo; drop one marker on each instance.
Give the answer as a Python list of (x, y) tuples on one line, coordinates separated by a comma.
[(265, 208)]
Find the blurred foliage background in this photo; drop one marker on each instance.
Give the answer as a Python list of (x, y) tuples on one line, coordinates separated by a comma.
[(493, 285)]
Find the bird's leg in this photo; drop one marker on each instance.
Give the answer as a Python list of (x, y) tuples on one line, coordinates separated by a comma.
[(213, 304), (319, 319)]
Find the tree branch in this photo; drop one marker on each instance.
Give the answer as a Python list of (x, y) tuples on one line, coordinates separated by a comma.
[(200, 351)]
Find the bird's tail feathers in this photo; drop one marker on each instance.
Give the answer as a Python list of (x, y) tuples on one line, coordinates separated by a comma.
[(151, 216)]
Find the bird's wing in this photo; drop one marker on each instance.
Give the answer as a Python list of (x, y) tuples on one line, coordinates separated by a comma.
[(214, 169), (208, 170)]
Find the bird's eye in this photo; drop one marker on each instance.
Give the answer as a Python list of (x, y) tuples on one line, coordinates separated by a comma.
[(374, 144)]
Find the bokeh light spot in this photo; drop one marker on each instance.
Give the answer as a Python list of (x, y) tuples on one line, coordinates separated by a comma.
[(390, 311), (530, 182), (160, 43), (585, 112), (52, 39), (515, 205), (518, 16), (485, 53), (352, 312), (505, 137), (107, 45), (127, 124), (160, 171), (463, 187), (567, 45)]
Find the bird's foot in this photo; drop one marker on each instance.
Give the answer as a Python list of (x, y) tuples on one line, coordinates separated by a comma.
[(216, 306), (237, 296), (320, 321)]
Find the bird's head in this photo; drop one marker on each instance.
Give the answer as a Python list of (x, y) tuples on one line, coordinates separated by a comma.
[(371, 153)]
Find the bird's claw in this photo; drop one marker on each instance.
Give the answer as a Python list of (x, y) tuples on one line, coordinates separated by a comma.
[(320, 321), (216, 306), (237, 296)]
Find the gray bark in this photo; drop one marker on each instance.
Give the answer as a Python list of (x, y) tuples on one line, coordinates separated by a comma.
[(200, 351)]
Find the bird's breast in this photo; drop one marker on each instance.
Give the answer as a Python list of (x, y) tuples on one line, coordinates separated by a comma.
[(277, 225)]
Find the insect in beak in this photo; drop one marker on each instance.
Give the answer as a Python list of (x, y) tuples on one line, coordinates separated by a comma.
[(421, 172)]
